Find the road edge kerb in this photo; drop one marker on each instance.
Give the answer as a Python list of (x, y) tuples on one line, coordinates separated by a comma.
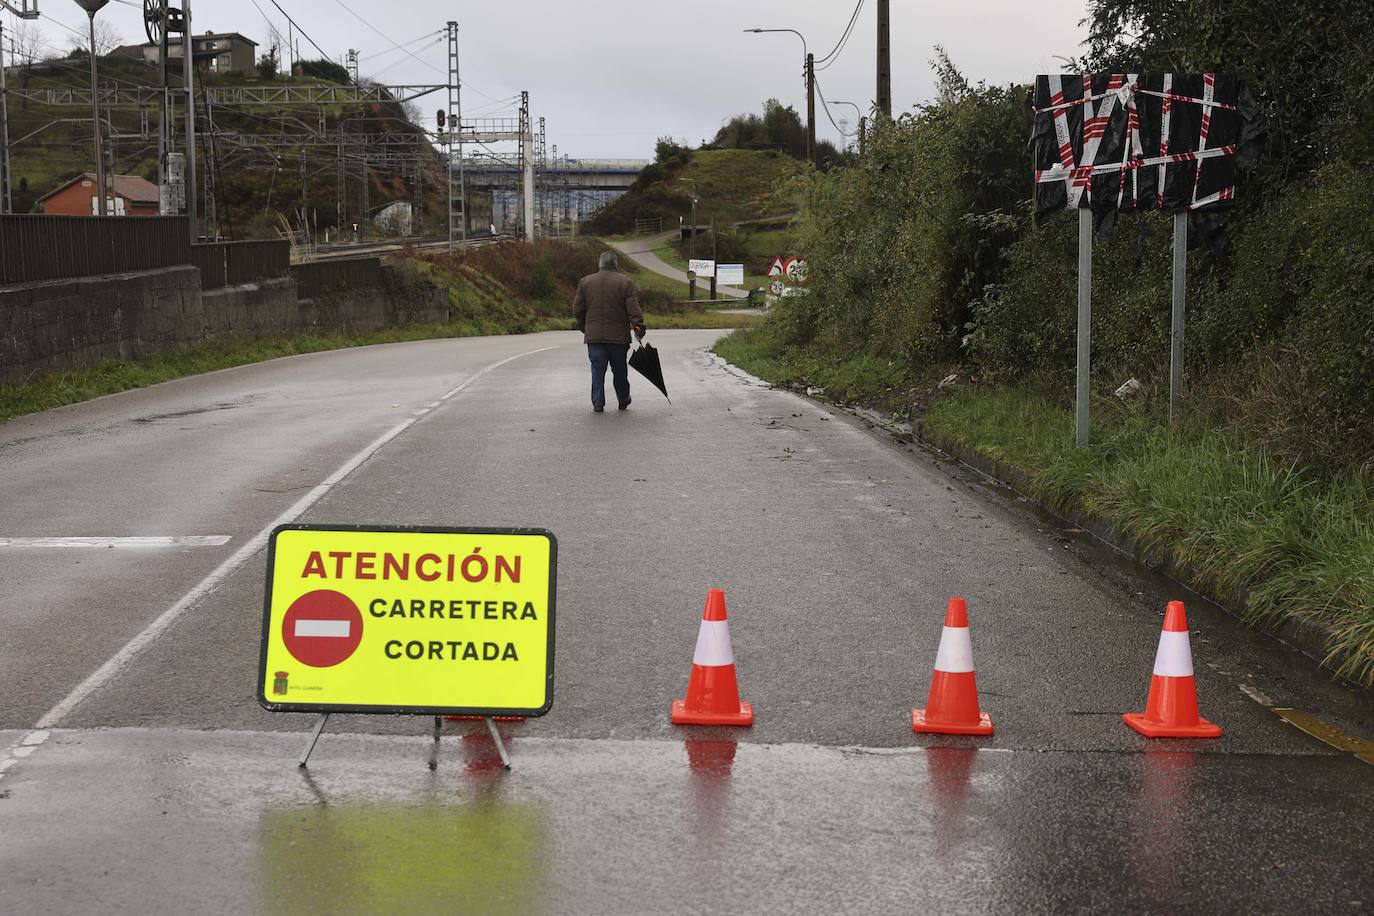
[(1302, 636)]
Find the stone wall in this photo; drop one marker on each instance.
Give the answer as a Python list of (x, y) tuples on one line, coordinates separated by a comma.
[(64, 324)]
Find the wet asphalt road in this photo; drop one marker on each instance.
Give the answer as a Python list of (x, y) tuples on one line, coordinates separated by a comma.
[(163, 787)]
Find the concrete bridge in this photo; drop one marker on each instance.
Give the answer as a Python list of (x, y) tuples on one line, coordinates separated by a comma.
[(564, 173)]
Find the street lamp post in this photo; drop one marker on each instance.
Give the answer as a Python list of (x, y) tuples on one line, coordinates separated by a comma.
[(858, 121), (92, 7), (810, 68)]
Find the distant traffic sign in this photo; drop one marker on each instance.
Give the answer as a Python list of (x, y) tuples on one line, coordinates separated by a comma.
[(730, 274), (409, 620)]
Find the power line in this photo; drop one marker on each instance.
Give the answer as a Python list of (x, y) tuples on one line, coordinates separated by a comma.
[(301, 30), (386, 37), (826, 107), (844, 39)]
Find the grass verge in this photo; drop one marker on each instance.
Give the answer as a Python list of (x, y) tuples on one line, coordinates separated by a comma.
[(1251, 532), (114, 375), (854, 379)]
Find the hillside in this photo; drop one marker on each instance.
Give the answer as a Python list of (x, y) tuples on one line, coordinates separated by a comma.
[(254, 186), (733, 185)]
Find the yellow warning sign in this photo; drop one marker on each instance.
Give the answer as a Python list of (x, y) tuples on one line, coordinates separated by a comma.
[(426, 621)]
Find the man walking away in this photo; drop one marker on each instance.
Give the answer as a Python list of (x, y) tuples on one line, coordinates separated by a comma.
[(607, 311)]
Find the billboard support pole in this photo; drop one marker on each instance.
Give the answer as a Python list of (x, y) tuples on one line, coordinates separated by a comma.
[(1176, 321), (1085, 311), (314, 737)]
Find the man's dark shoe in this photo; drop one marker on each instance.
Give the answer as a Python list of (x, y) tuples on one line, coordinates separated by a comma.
[(597, 408), (623, 404)]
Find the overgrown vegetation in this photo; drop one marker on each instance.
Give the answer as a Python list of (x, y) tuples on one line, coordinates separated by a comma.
[(1250, 530), (924, 260)]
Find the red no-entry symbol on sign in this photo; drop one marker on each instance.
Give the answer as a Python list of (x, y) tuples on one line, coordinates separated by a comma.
[(322, 628)]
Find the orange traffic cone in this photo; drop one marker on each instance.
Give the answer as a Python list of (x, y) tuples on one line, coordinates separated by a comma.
[(1171, 711), (952, 708), (712, 693)]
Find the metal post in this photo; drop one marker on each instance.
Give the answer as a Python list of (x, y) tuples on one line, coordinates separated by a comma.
[(1176, 323), (884, 93), (692, 250), (163, 111), (812, 156), (500, 745), (713, 256), (6, 203), (457, 194), (95, 123), (314, 737), (527, 153), (188, 81), (1085, 312)]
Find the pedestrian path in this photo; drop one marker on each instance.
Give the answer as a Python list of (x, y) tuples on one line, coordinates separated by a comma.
[(641, 251)]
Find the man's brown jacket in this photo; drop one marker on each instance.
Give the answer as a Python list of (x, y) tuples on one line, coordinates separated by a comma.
[(606, 307)]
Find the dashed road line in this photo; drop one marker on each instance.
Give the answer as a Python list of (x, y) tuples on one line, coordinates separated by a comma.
[(121, 659), (214, 540)]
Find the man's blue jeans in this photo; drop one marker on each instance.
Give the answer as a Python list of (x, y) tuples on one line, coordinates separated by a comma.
[(600, 354)]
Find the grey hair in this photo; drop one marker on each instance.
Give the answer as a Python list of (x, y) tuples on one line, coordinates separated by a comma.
[(608, 261)]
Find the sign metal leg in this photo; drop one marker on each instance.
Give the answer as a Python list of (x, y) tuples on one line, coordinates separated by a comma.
[(496, 737), (1176, 324), (314, 737), (1085, 312)]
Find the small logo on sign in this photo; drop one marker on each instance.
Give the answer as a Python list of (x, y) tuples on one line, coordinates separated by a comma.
[(279, 684)]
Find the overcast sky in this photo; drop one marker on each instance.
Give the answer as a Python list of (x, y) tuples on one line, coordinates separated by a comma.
[(611, 76)]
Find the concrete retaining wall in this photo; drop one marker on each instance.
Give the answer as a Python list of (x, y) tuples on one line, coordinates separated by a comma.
[(65, 324)]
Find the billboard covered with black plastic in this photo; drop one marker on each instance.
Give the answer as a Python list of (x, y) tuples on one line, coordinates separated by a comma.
[(1114, 142)]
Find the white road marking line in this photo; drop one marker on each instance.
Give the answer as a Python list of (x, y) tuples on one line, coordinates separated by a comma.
[(108, 671), (214, 540), (331, 628)]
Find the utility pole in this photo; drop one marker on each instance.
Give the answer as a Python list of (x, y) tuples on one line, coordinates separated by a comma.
[(457, 193), (884, 59), (6, 204), (365, 217), (92, 7), (164, 117), (811, 152), (305, 198), (713, 256), (188, 73), (527, 154), (692, 249)]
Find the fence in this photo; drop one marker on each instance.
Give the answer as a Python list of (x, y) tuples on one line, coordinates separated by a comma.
[(232, 263), (318, 277), (34, 248), (654, 224)]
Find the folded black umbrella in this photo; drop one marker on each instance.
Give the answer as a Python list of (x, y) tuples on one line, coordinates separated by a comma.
[(644, 360)]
